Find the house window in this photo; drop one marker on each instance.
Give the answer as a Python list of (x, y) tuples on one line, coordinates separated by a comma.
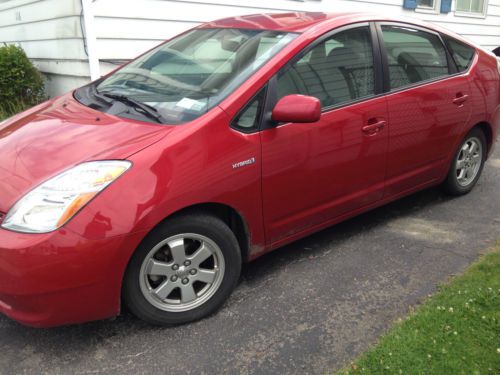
[(428, 6), (471, 7)]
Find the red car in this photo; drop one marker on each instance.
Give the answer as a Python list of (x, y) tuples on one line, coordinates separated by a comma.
[(153, 184)]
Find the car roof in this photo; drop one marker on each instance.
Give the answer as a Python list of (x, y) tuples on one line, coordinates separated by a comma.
[(299, 21), (292, 21)]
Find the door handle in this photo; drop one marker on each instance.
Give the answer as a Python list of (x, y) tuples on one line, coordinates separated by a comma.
[(460, 99), (373, 129)]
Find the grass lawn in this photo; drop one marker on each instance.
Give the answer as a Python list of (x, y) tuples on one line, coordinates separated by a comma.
[(456, 331)]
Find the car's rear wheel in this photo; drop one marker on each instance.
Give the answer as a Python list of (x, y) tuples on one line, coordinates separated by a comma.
[(183, 271), (467, 164)]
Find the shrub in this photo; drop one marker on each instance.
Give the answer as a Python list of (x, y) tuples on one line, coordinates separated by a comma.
[(21, 84)]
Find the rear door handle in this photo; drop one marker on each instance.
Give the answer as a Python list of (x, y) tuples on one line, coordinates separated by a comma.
[(373, 129), (460, 99)]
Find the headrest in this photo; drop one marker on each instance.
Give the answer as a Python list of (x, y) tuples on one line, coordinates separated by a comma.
[(341, 56)]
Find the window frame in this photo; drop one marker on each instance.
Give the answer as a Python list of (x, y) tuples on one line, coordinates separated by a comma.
[(432, 10), (452, 68), (377, 64), (483, 14), (380, 65)]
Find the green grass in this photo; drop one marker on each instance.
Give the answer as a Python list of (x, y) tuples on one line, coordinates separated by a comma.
[(456, 331), (3, 115), (11, 108)]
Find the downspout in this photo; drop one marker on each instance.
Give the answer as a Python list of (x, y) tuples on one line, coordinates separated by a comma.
[(90, 39)]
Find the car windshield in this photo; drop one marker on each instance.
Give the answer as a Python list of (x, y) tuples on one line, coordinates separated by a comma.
[(190, 74)]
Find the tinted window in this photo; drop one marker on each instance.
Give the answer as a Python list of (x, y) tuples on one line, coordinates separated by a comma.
[(248, 118), (462, 53), (335, 71), (413, 55)]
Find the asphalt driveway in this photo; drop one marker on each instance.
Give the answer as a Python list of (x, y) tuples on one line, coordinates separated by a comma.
[(306, 308)]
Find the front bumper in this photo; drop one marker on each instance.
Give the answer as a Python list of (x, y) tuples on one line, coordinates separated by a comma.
[(62, 278)]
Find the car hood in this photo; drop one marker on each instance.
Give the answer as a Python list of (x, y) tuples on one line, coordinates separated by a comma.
[(54, 136)]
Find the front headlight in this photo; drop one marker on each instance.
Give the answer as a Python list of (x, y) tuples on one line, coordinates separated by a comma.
[(53, 203)]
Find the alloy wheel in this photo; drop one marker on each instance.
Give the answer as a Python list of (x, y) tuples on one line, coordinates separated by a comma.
[(182, 272), (469, 161)]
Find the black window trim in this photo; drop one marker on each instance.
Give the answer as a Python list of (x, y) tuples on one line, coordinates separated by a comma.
[(452, 68)]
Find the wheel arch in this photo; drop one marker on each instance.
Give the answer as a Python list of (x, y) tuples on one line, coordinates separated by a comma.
[(487, 129), (234, 220)]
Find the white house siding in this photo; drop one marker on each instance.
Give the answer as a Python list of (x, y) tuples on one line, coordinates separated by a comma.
[(51, 34)]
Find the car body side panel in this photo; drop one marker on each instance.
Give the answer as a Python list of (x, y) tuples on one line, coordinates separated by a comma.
[(313, 172), (193, 165), (424, 125), (487, 80), (485, 108)]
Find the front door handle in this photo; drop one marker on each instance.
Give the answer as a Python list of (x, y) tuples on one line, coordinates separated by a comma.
[(373, 129), (460, 99)]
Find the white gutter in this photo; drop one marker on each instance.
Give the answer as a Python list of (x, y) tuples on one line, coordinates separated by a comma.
[(91, 40)]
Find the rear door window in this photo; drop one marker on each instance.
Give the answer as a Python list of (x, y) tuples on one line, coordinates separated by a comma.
[(461, 53), (413, 55)]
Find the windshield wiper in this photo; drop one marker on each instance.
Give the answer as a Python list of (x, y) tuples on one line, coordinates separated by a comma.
[(148, 110), (98, 95)]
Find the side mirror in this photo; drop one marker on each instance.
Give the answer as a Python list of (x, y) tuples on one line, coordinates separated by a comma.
[(297, 108)]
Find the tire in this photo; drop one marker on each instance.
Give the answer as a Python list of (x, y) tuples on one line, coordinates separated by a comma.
[(460, 180), (184, 270)]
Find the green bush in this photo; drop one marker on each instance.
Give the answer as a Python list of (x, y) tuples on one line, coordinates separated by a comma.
[(21, 84)]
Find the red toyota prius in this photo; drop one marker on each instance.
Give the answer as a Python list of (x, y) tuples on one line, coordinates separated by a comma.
[(152, 185)]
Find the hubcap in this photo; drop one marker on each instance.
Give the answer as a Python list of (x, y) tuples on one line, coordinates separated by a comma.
[(182, 272), (469, 161)]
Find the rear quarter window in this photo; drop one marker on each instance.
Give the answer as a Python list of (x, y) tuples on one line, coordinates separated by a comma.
[(461, 53)]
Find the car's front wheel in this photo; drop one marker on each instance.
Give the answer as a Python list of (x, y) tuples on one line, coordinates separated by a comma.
[(183, 271), (467, 164)]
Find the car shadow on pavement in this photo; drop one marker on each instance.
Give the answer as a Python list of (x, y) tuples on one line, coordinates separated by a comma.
[(337, 234)]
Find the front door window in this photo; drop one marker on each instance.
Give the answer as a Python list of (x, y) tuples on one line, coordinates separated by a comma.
[(336, 71)]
